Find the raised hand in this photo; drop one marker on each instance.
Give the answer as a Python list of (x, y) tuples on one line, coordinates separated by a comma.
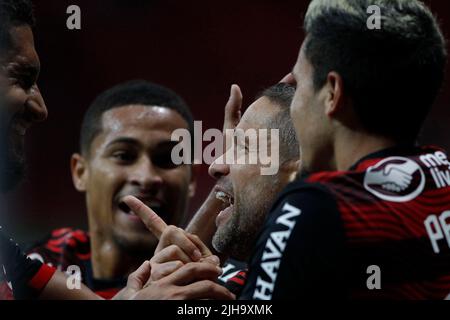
[(176, 247)]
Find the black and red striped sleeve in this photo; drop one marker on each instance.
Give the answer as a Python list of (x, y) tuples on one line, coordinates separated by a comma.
[(28, 277)]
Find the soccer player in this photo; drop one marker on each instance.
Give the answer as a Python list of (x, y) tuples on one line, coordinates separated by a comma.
[(245, 193), (371, 218), (125, 149), (21, 105)]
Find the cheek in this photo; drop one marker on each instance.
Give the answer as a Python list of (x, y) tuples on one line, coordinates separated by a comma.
[(177, 180), (15, 98), (242, 175), (298, 106), (106, 179)]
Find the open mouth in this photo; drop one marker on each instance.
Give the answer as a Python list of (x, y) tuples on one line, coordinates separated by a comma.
[(225, 198), (227, 209), (152, 203)]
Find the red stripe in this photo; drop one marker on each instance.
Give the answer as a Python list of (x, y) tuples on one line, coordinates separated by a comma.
[(5, 292), (42, 277), (80, 236), (238, 281), (54, 249), (60, 232), (59, 241), (81, 256), (108, 294)]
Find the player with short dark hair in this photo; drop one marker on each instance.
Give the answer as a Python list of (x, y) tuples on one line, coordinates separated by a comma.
[(245, 195), (136, 92), (369, 217), (125, 149), (21, 105)]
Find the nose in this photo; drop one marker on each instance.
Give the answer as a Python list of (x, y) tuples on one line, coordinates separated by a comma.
[(35, 105), (146, 176), (218, 168)]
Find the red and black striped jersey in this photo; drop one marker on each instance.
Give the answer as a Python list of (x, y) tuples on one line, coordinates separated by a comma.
[(67, 247), (234, 275), (20, 277), (380, 230)]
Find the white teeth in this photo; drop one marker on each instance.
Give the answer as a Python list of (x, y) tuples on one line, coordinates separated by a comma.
[(222, 196)]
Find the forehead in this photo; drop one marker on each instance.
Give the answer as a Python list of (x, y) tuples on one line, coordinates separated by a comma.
[(143, 119), (22, 46), (259, 114)]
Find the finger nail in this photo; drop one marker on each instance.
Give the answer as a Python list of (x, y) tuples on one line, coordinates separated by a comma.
[(197, 255)]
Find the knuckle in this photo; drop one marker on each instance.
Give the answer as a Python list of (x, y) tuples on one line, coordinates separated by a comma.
[(156, 274), (154, 259), (196, 237), (192, 267), (133, 275), (171, 229), (210, 286), (172, 249)]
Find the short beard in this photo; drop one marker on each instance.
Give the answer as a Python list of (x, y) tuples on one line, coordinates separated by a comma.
[(237, 236), (12, 167)]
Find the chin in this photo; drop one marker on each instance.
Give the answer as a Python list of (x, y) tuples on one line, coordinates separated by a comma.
[(11, 174)]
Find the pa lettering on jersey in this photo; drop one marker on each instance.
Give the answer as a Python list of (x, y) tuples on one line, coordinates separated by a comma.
[(273, 252)]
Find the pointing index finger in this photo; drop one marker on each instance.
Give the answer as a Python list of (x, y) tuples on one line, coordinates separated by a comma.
[(152, 221)]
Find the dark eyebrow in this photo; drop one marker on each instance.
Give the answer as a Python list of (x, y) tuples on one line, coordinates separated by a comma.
[(125, 140), (168, 143), (132, 141)]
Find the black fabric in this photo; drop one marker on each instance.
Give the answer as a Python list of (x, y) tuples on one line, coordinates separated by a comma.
[(19, 269), (234, 275), (299, 252)]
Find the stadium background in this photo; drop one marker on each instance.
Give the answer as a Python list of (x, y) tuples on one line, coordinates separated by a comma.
[(196, 48)]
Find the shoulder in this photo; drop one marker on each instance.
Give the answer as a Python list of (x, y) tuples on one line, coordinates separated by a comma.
[(300, 242), (61, 247), (303, 196)]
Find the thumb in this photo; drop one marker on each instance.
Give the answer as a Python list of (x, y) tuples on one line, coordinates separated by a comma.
[(200, 245), (137, 279), (233, 108)]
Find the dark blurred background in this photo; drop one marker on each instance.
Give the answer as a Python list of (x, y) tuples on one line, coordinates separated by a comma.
[(197, 48)]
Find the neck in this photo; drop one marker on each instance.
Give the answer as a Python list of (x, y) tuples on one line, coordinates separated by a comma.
[(109, 260), (351, 146)]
